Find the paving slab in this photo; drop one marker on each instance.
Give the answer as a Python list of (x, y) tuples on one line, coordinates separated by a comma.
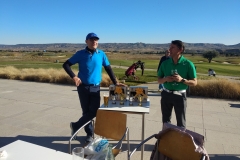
[(40, 113)]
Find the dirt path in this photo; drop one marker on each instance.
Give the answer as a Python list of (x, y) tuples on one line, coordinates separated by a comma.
[(125, 67)]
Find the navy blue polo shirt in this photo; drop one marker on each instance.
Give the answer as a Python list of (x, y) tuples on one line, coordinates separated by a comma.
[(90, 65)]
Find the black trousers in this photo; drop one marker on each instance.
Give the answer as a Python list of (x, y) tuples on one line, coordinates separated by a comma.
[(89, 97), (179, 102)]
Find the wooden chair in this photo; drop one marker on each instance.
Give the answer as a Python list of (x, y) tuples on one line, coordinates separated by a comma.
[(174, 145), (110, 125)]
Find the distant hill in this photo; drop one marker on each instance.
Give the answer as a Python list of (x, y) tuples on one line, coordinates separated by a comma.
[(123, 47)]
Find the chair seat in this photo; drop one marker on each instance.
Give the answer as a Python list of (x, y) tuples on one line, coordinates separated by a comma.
[(176, 143), (178, 146)]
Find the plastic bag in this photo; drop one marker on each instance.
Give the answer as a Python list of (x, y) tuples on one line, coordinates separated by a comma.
[(110, 155), (105, 154), (96, 146)]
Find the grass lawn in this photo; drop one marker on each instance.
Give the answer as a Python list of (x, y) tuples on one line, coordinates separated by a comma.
[(202, 66), (31, 60), (45, 69)]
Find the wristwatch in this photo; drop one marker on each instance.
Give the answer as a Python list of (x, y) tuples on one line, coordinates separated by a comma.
[(183, 80)]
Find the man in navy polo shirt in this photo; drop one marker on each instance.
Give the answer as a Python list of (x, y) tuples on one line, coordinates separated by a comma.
[(90, 61), (177, 73), (165, 57)]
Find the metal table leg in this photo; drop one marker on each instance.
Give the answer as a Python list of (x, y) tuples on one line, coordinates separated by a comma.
[(143, 130)]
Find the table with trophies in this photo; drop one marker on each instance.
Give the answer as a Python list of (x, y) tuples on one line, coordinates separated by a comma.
[(134, 101)]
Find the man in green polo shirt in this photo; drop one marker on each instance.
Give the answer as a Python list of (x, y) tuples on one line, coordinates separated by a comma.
[(177, 73)]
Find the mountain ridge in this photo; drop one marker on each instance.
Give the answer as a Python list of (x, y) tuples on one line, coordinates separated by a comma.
[(124, 47)]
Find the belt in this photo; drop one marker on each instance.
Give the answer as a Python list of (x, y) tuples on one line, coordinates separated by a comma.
[(97, 84), (180, 91)]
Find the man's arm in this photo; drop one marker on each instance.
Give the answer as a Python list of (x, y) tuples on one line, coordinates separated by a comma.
[(165, 79), (189, 82), (110, 73), (67, 67), (162, 78)]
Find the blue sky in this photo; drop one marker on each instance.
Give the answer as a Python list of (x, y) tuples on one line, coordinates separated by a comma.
[(119, 21)]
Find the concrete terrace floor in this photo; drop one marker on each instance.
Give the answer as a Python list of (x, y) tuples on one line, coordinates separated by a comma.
[(40, 113)]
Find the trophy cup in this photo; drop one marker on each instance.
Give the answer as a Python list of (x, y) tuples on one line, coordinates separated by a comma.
[(130, 101), (140, 95), (113, 98), (121, 99), (120, 94), (135, 91), (140, 100)]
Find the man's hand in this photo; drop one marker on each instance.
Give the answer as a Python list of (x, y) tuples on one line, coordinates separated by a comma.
[(121, 84), (169, 79), (77, 81), (165, 79), (177, 78)]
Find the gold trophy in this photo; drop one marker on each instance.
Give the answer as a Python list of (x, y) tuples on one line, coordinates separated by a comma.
[(120, 93), (121, 99), (113, 97), (130, 101), (140, 100), (140, 95)]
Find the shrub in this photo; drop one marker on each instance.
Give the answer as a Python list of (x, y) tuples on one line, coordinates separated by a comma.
[(218, 88), (44, 75)]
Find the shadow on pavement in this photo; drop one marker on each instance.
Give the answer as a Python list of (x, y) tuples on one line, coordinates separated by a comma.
[(234, 105), (61, 143), (224, 156), (56, 143)]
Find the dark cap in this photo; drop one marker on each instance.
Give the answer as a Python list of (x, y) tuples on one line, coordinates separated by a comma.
[(91, 35)]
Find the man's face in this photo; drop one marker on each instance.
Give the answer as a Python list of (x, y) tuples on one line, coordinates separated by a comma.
[(92, 43), (174, 50), (167, 53)]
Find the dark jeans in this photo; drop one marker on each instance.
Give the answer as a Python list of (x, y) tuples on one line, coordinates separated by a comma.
[(89, 97), (179, 102)]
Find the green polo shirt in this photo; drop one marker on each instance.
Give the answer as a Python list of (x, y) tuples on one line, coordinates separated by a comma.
[(185, 69)]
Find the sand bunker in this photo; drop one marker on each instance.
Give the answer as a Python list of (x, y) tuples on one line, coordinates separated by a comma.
[(225, 63)]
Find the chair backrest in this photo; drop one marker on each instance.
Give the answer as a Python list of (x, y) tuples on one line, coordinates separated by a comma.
[(178, 146), (110, 124)]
